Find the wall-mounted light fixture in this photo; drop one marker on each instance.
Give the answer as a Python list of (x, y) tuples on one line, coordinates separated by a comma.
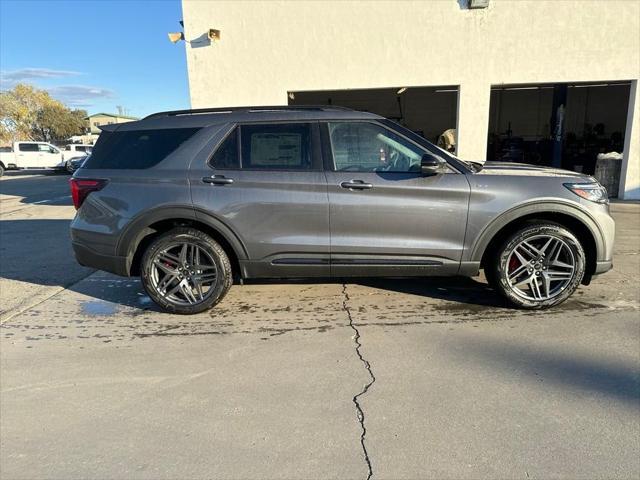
[(478, 3), (211, 35), (401, 90)]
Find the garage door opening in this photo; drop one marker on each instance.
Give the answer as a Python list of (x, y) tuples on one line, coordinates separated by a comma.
[(577, 126), (428, 111)]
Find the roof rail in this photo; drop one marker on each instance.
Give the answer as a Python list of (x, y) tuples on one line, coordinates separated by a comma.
[(199, 111)]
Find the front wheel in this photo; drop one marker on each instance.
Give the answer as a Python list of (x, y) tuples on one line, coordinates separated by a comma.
[(539, 266), (186, 271)]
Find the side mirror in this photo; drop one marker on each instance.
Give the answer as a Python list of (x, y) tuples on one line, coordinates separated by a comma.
[(429, 165)]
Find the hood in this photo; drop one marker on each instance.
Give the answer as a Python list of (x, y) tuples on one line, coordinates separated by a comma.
[(526, 170)]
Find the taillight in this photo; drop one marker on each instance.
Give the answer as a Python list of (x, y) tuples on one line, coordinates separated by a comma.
[(81, 187)]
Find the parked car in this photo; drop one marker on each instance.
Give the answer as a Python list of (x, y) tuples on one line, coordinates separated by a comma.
[(74, 150), (188, 200), (32, 155), (75, 163)]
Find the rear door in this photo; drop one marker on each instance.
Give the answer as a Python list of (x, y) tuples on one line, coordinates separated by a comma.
[(265, 182), (387, 218), (27, 155)]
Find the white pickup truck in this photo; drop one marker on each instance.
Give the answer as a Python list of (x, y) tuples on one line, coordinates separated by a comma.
[(31, 155), (74, 150)]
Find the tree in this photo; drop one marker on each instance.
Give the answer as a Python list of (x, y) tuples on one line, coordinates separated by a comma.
[(28, 113)]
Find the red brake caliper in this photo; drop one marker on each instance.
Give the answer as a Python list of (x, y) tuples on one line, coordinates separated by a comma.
[(513, 263)]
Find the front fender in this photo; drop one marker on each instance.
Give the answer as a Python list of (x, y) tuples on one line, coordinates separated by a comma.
[(477, 248)]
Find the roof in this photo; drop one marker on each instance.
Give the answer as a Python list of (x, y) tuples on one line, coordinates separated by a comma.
[(212, 116), (111, 115)]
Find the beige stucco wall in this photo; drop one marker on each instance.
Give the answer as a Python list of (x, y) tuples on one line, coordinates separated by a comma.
[(104, 120), (271, 47)]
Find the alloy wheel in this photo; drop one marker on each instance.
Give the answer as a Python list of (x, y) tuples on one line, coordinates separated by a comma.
[(540, 267), (184, 273)]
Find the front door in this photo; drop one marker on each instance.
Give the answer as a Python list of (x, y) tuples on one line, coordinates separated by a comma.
[(48, 156), (386, 217), (265, 182)]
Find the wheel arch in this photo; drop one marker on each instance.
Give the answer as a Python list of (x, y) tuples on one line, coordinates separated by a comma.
[(572, 218), (141, 232)]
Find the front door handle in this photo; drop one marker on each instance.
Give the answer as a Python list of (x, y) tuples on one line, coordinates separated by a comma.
[(217, 180), (356, 185)]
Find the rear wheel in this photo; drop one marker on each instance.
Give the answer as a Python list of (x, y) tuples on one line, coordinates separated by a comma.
[(539, 266), (186, 271), (1, 170)]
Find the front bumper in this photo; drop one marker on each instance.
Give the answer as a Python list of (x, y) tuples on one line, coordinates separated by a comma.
[(603, 267)]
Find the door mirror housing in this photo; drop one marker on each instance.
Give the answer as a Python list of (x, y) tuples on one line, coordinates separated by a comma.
[(429, 165)]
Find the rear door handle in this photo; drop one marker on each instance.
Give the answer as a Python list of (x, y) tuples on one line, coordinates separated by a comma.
[(356, 185), (217, 180)]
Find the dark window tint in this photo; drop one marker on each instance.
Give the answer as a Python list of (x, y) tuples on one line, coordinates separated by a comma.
[(136, 149), (226, 156), (276, 147), (28, 147)]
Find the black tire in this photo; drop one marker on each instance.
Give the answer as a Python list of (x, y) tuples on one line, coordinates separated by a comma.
[(191, 236), (69, 168), (1, 170), (498, 271)]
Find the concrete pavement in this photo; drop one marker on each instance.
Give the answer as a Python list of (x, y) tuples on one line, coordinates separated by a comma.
[(96, 383)]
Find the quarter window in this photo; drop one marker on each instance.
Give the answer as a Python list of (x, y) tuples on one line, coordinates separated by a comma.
[(368, 147), (137, 149)]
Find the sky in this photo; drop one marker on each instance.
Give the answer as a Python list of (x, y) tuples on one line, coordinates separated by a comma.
[(96, 54)]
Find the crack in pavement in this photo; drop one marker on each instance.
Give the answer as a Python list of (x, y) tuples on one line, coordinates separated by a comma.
[(367, 366)]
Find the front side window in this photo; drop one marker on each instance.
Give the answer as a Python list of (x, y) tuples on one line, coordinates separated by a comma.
[(368, 147), (43, 147)]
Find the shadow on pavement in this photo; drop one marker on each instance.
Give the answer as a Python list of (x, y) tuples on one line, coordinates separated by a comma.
[(39, 252), (36, 186), (585, 374)]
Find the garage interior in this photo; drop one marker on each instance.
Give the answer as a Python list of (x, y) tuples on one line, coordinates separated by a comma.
[(577, 126), (428, 111)]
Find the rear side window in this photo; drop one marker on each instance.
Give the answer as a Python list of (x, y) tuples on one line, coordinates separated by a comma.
[(136, 149), (282, 146), (28, 147), (276, 147), (226, 156)]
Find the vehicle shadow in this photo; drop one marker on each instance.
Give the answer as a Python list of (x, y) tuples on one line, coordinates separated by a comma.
[(37, 186), (585, 373), (463, 290), (38, 252)]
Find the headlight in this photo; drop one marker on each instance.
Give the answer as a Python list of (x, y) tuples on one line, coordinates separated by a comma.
[(593, 192)]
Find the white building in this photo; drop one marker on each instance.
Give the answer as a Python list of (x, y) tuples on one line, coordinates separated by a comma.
[(505, 76)]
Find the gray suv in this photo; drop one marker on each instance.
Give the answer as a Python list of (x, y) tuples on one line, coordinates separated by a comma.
[(191, 200)]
